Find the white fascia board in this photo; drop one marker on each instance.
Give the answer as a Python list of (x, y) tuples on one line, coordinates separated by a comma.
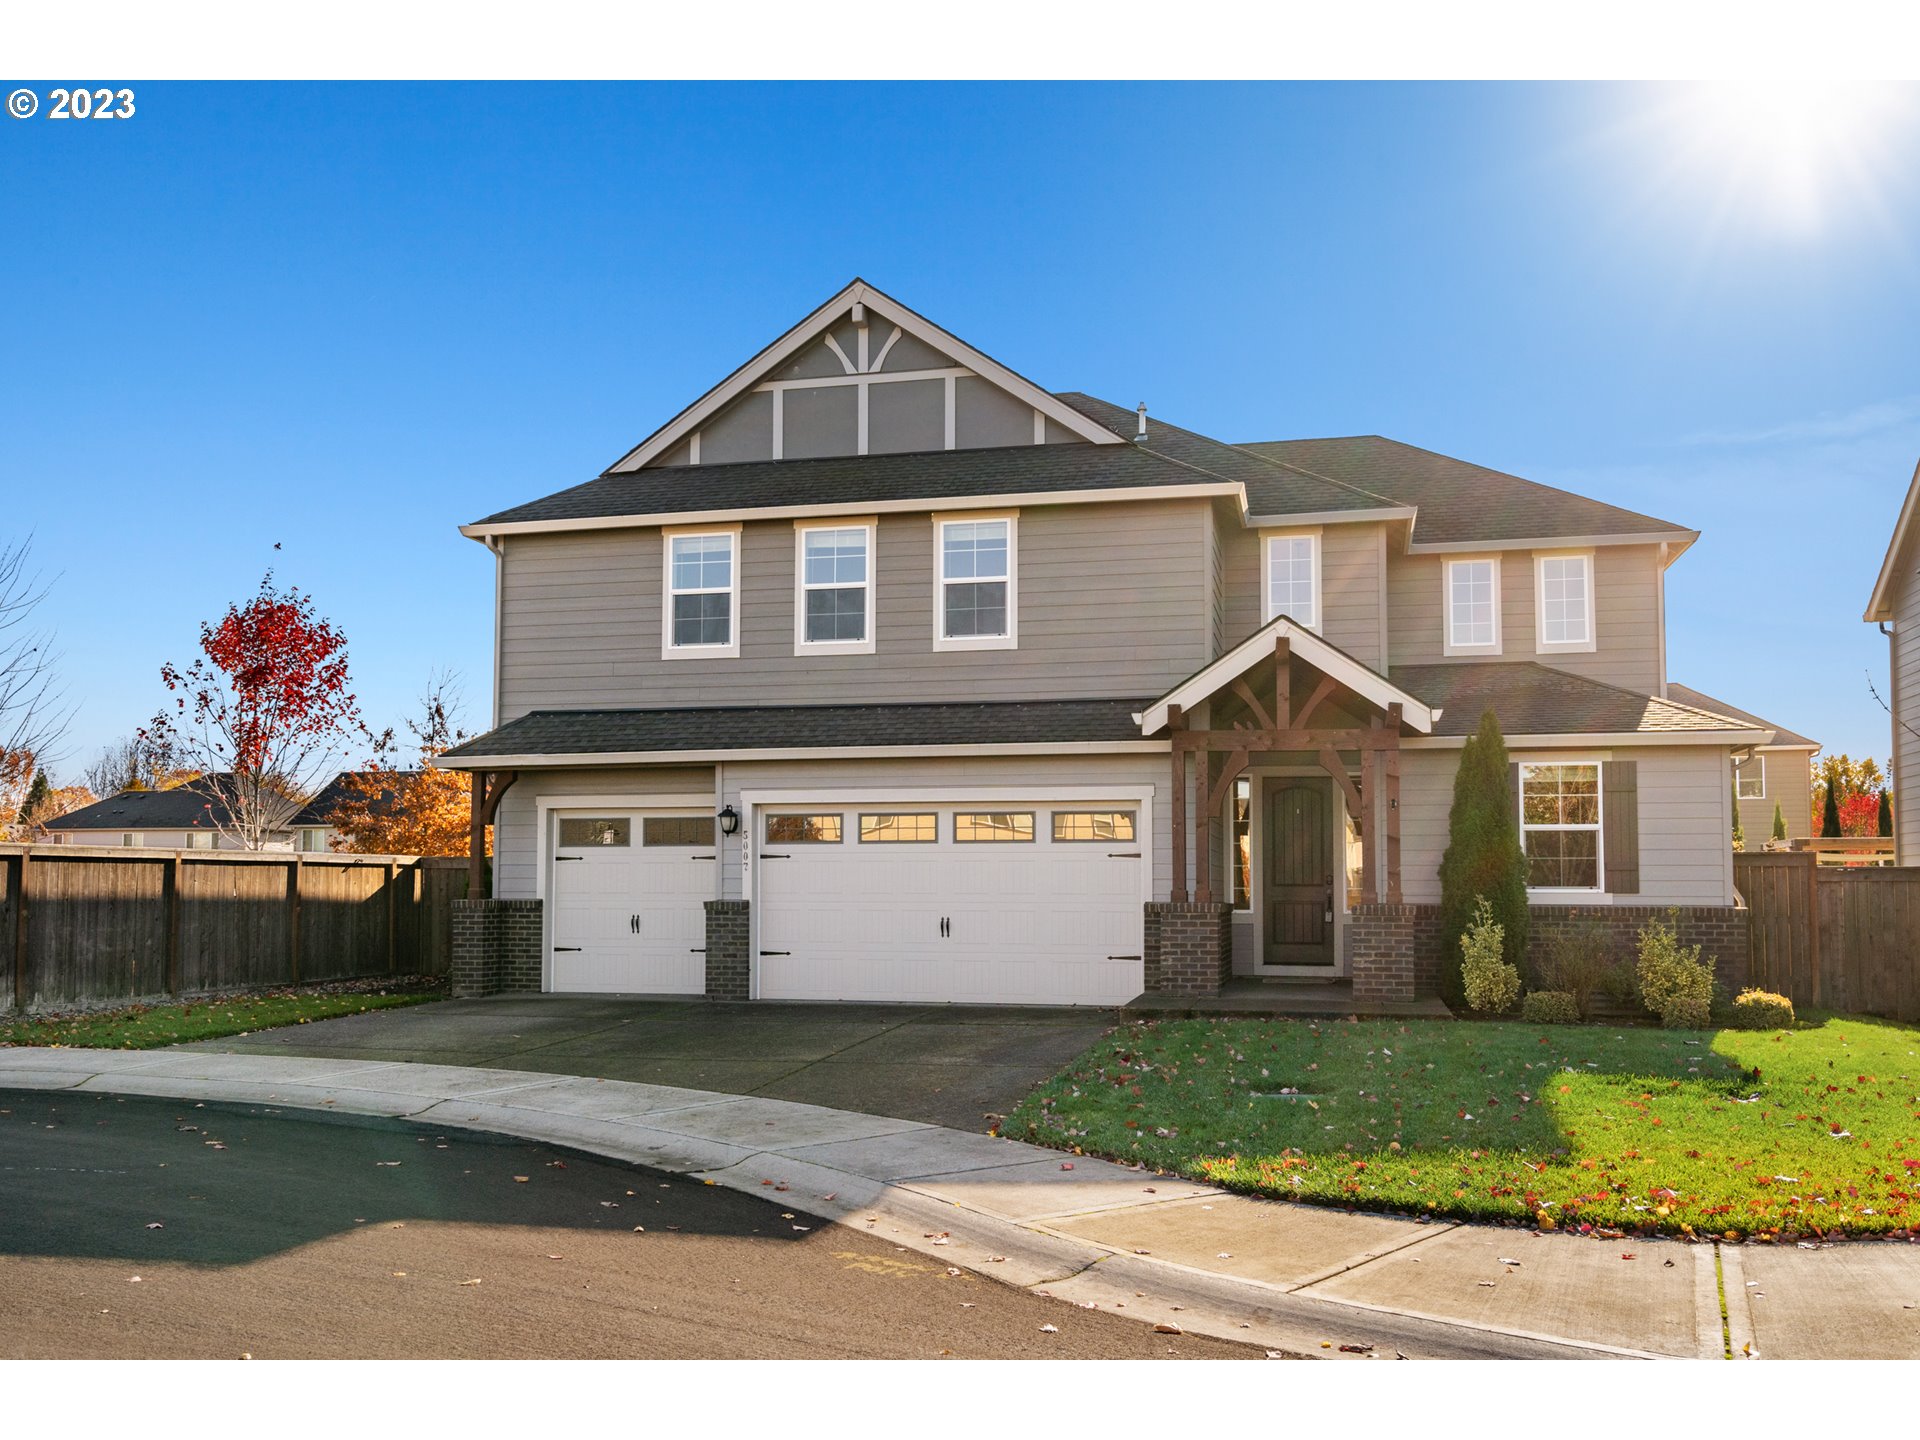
[(482, 531), (797, 752), (1668, 738), (887, 308), (1678, 539), (1880, 606), (1298, 519), (1311, 648)]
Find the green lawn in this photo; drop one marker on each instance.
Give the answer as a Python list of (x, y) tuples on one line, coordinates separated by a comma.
[(147, 1027), (1813, 1130)]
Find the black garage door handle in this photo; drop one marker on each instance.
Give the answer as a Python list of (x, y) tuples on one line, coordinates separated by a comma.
[(776, 952)]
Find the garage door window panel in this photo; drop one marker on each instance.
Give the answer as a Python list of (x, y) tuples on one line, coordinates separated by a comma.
[(677, 831), (899, 829), (822, 829), (579, 834), (971, 827), (1077, 826)]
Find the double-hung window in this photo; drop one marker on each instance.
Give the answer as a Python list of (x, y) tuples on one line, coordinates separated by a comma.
[(975, 558), (1292, 577), (1563, 603), (1560, 826), (833, 600), (1750, 777), (701, 607), (1472, 606)]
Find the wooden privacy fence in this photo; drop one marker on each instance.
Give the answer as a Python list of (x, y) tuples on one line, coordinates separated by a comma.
[(1833, 938), (79, 924)]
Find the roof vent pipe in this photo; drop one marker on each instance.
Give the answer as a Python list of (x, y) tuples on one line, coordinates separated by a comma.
[(1141, 433)]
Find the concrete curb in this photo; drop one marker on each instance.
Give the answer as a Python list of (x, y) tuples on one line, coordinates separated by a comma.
[(999, 1207)]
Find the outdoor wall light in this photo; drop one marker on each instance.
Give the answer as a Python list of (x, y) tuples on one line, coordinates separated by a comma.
[(729, 820)]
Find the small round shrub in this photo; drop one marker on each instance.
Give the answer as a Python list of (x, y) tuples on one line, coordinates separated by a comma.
[(1762, 1010), (1670, 974), (1687, 1012), (1490, 983), (1550, 1007)]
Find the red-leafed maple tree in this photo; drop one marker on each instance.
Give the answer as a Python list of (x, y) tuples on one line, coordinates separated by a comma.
[(262, 713)]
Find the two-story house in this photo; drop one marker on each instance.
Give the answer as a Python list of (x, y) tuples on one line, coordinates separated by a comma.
[(882, 673)]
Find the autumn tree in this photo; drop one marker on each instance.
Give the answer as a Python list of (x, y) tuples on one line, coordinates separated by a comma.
[(263, 712), (424, 811)]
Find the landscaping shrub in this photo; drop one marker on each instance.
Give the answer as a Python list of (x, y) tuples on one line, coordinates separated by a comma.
[(1576, 959), (1762, 1010), (1549, 1007), (1483, 861), (1489, 983), (1779, 822), (1674, 982)]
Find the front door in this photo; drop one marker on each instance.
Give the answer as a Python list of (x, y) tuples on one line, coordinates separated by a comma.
[(1298, 873)]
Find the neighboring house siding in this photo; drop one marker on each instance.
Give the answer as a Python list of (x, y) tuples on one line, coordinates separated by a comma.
[(1350, 558), (1626, 580), (1904, 657), (1686, 853), (1112, 603), (1790, 785), (160, 839), (515, 855)]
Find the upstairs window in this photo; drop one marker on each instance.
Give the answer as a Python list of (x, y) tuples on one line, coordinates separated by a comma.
[(1293, 578), (834, 603), (1564, 602), (1750, 777), (1560, 826), (703, 593), (1472, 607), (975, 608)]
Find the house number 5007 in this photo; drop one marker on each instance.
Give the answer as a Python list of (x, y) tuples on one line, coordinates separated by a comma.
[(95, 104)]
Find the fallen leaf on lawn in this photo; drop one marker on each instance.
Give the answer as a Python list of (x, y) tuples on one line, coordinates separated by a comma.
[(399, 1274), (469, 1282), (1049, 1329), (1626, 1254), (1066, 1164), (639, 1229), (155, 1225), (521, 1179), (1166, 1327), (1505, 1261), (1356, 1349), (953, 1270)]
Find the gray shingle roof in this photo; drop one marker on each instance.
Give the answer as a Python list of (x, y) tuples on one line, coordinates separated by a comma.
[(1459, 501), (182, 808), (1528, 698), (792, 727), (319, 810), (1686, 695)]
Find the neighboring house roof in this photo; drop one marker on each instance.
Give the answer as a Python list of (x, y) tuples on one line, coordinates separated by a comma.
[(719, 729), (1528, 698), (1459, 502), (319, 810), (185, 807), (1880, 604), (1783, 738)]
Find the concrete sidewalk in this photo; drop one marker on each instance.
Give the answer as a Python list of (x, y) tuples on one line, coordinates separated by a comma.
[(1297, 1278)]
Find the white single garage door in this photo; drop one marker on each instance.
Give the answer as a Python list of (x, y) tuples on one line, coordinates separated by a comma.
[(1030, 903), (628, 902)]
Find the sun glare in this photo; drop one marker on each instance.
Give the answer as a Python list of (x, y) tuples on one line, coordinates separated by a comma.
[(1795, 150)]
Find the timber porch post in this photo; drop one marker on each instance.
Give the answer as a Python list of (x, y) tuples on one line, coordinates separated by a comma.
[(485, 801)]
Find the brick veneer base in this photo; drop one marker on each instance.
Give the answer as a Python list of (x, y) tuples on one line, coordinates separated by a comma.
[(496, 947), (1189, 947), (727, 961), (1377, 935)]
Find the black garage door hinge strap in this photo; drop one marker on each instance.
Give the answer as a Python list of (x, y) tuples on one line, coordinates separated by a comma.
[(558, 948), (776, 952)]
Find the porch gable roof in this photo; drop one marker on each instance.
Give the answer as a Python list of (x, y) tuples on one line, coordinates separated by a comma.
[(1329, 659)]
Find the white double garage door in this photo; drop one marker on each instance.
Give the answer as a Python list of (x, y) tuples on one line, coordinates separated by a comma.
[(1009, 902)]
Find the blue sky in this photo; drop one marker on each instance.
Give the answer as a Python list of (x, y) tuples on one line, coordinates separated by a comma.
[(349, 317)]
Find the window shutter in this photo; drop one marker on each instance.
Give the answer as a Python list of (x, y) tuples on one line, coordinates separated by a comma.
[(1620, 784)]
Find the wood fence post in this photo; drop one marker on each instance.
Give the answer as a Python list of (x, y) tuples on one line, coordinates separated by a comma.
[(393, 897), (170, 917), (296, 872), (20, 987)]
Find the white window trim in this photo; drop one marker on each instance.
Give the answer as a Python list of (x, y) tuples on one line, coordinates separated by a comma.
[(1541, 645), (1599, 827), (1740, 769), (802, 645), (1008, 641), (669, 650), (1450, 646), (1267, 612)]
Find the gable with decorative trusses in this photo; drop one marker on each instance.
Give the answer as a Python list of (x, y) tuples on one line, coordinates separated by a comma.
[(863, 375)]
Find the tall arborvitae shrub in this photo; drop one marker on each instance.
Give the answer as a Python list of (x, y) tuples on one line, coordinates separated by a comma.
[(1885, 827), (1830, 814), (1483, 856), (1739, 835), (1779, 822)]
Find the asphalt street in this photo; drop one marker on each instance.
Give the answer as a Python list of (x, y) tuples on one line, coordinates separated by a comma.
[(134, 1227)]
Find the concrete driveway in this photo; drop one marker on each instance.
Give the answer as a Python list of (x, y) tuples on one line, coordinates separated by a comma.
[(958, 1066)]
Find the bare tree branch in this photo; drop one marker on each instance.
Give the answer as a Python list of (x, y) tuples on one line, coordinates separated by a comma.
[(34, 714)]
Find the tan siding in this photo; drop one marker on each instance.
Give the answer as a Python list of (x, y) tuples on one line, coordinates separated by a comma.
[(1790, 784), (1113, 602), (1686, 855), (1626, 581), (1904, 655), (1349, 579)]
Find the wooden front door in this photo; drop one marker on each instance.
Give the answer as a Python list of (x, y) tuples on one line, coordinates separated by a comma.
[(1297, 873)]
